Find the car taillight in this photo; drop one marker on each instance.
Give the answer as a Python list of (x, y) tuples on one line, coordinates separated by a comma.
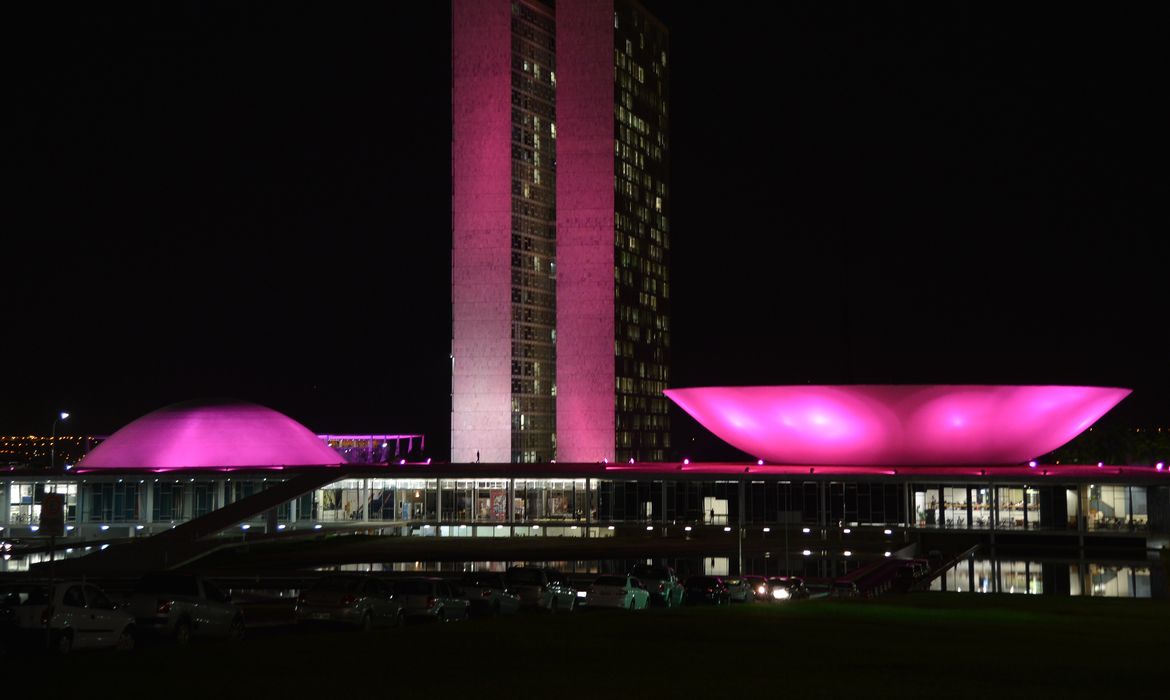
[(47, 615), (348, 599), (710, 590), (431, 602), (661, 587), (164, 606), (486, 593)]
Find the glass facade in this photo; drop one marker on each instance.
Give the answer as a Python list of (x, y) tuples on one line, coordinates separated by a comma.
[(641, 235), (533, 232), (476, 506)]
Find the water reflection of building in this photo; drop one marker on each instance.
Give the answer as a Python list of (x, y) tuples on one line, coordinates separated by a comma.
[(1077, 578)]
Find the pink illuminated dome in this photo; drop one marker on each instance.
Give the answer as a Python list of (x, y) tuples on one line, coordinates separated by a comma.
[(890, 425), (211, 433)]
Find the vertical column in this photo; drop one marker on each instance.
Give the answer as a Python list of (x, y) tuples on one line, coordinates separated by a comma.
[(586, 378), (147, 502), (588, 505), (365, 500), (6, 500), (481, 220)]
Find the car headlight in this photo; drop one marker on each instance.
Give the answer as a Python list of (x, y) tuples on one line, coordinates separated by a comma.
[(762, 590), (781, 594), (581, 594)]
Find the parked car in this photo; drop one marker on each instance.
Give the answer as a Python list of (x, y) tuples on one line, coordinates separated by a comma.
[(63, 617), (488, 593), (706, 590), (430, 599), (781, 588), (661, 582), (356, 600), (758, 585), (738, 589), (542, 589), (181, 607), (624, 592)]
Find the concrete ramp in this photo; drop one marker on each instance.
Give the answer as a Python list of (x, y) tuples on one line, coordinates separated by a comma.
[(188, 542)]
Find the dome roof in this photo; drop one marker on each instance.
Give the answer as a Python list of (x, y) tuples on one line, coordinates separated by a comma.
[(211, 433), (897, 424)]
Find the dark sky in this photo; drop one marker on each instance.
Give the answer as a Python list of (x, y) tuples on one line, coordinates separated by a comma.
[(252, 200)]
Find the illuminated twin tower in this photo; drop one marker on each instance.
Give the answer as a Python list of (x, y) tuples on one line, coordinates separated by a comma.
[(560, 281)]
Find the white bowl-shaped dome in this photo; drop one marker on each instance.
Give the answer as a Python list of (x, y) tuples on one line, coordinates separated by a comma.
[(211, 433), (883, 425)]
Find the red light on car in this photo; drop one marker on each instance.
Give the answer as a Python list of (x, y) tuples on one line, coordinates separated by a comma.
[(164, 606), (431, 602), (47, 615), (348, 599), (486, 593)]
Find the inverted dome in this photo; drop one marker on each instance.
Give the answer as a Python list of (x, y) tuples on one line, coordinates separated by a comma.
[(890, 425), (216, 433)]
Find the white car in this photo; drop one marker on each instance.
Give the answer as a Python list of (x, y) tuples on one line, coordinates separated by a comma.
[(624, 592), (65, 616)]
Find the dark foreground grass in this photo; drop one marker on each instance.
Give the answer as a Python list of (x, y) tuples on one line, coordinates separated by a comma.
[(930, 645)]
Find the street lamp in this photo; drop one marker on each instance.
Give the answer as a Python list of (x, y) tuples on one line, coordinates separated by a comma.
[(53, 441)]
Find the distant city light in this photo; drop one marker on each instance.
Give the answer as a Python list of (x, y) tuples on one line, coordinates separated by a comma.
[(767, 529), (887, 532), (759, 462), (727, 529), (610, 527), (807, 552), (847, 531), (649, 527), (805, 530), (887, 554), (687, 528), (317, 526), (1032, 464), (64, 415), (848, 553), (245, 526), (686, 461)]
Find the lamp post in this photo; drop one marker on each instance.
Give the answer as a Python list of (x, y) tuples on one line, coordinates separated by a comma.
[(53, 441)]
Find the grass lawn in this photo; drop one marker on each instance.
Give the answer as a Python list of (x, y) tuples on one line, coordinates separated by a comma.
[(925, 645)]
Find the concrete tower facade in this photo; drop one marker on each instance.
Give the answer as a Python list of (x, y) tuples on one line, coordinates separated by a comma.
[(560, 286)]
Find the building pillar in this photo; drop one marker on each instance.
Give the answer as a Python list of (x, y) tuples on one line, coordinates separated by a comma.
[(511, 506), (366, 500), (6, 500), (292, 510), (147, 503), (220, 493), (588, 505)]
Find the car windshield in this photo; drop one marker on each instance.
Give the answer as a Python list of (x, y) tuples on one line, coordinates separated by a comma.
[(14, 596), (173, 584), (335, 583), (526, 577), (414, 587), (619, 581), (481, 580), (650, 572)]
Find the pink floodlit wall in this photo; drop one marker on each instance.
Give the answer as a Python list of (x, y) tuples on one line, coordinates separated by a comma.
[(585, 230), (211, 434), (897, 425), (481, 219)]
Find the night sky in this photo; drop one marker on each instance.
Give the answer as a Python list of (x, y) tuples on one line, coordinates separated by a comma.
[(254, 201)]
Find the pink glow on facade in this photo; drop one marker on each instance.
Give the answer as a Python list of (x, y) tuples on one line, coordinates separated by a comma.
[(897, 425), (481, 219), (585, 231), (222, 434)]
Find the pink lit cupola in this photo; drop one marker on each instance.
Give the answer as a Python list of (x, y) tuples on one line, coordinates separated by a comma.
[(891, 425), (212, 434)]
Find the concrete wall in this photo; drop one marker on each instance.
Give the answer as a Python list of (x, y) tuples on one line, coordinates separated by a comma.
[(481, 201), (585, 230)]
